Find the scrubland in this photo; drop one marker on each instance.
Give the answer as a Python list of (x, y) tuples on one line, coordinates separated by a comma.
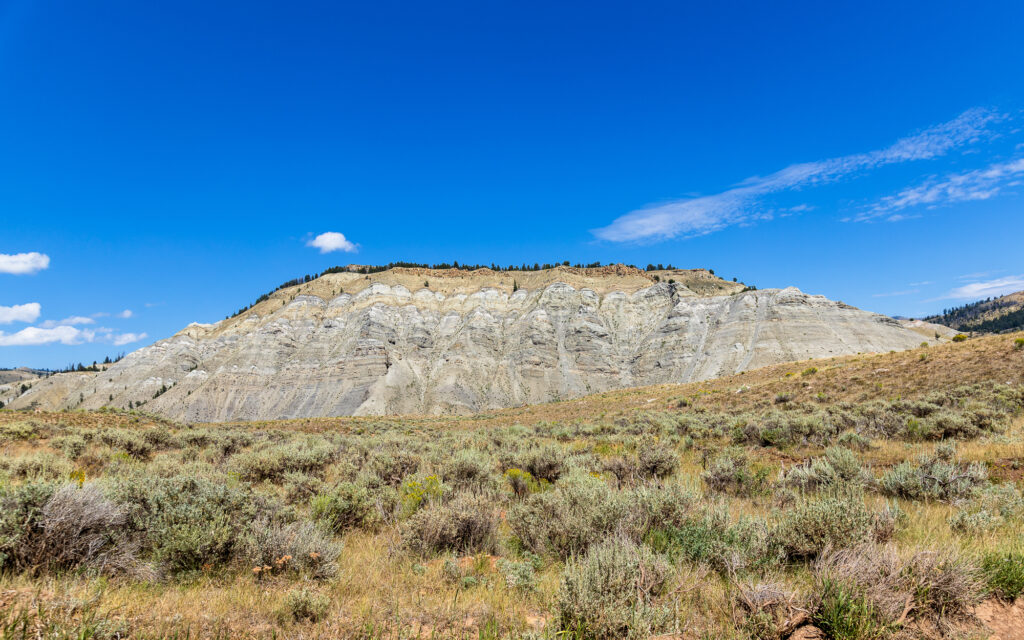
[(875, 496)]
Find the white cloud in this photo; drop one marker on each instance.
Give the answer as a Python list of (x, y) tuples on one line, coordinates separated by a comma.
[(126, 338), (986, 289), (23, 263), (979, 184), (895, 293), (20, 313), (741, 204), (127, 313), (332, 241), (36, 336), (64, 332), (73, 320)]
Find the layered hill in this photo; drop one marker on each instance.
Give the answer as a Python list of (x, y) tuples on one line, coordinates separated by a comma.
[(994, 315), (423, 341)]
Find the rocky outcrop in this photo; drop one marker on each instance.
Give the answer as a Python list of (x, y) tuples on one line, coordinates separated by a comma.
[(385, 348)]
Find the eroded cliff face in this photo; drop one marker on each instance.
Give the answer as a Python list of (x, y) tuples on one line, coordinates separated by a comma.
[(387, 349)]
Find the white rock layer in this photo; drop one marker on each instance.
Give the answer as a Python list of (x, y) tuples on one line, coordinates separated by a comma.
[(388, 350)]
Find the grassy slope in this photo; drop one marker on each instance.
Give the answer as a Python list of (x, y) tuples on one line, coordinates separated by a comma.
[(382, 591)]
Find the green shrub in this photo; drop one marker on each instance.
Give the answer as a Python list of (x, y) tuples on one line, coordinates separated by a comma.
[(418, 492), (731, 472), (14, 431), (934, 477), (518, 575), (612, 592), (466, 524), (844, 614), (185, 521), (128, 441), (272, 463), (296, 547), (20, 509), (345, 506), (1004, 573), (303, 604), (544, 463), (655, 460), (1018, 344), (578, 512), (832, 521), (809, 371), (838, 467), (959, 337), (40, 465), (71, 446), (710, 538), (873, 587), (300, 487), (468, 469)]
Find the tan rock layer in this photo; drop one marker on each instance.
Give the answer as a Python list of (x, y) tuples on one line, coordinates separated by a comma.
[(384, 348)]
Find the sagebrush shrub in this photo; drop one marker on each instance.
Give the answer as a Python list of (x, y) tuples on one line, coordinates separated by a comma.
[(186, 522), (345, 506), (876, 579), (578, 512), (934, 477), (76, 527), (612, 592), (465, 524), (544, 463), (129, 441), (272, 463), (303, 603), (469, 469), (20, 509), (40, 465), (838, 467), (300, 487), (830, 522), (655, 460), (732, 472), (518, 575), (299, 547), (71, 446)]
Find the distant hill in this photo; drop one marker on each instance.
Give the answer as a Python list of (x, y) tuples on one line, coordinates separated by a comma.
[(418, 340), (994, 315)]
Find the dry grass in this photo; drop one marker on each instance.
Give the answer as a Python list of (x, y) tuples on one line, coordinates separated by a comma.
[(383, 590)]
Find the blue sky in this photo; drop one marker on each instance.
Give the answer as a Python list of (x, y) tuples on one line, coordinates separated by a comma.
[(169, 162)]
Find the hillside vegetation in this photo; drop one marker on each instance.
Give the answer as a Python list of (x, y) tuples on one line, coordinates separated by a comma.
[(994, 315), (860, 497)]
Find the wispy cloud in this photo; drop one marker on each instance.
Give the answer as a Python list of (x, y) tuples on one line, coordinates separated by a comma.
[(128, 338), (986, 289), (73, 320), (332, 241), (742, 203), (28, 312), (23, 263), (127, 313), (980, 184), (896, 293)]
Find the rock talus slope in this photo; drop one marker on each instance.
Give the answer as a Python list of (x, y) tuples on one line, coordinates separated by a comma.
[(356, 345)]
